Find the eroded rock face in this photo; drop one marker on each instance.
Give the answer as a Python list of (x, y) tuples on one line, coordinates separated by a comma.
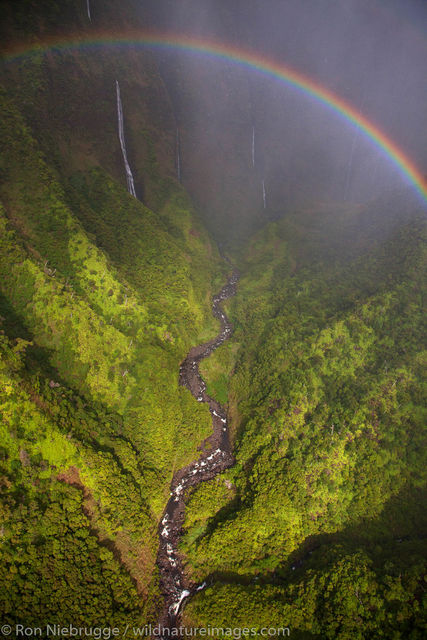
[(240, 126)]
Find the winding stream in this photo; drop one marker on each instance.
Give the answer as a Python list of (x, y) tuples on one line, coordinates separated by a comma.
[(216, 456)]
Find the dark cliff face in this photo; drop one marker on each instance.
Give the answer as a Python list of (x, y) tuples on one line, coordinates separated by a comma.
[(102, 295), (68, 95), (363, 52), (305, 154)]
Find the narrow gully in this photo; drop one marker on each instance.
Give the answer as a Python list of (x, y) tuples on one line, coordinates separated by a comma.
[(175, 586)]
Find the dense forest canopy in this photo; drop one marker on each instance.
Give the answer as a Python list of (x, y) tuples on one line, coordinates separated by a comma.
[(319, 525)]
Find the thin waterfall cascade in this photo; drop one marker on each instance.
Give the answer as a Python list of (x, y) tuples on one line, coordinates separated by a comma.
[(352, 150), (253, 146), (129, 176), (88, 10), (178, 155), (264, 195), (374, 173), (350, 165)]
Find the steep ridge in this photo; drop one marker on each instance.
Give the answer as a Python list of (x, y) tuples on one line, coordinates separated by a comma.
[(325, 513), (101, 297)]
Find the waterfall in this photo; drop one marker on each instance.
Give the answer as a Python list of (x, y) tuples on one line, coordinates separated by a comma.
[(178, 155), (129, 176), (253, 146), (176, 606), (352, 150), (264, 195), (374, 174), (88, 10), (350, 165)]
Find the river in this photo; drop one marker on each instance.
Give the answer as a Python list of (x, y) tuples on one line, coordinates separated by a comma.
[(175, 585)]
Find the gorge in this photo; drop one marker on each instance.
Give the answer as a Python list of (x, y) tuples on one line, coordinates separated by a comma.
[(209, 464), (272, 476)]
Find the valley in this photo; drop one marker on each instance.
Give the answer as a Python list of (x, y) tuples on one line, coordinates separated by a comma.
[(212, 320)]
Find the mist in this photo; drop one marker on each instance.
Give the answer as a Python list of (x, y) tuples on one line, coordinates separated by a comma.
[(371, 53)]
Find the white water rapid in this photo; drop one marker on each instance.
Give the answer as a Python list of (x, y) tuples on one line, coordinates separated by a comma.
[(175, 585)]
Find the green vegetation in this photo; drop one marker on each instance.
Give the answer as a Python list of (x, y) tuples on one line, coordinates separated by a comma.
[(343, 597), (100, 299), (319, 526), (52, 563), (218, 370), (328, 410)]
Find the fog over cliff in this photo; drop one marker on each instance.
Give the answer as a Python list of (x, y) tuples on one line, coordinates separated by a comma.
[(369, 52)]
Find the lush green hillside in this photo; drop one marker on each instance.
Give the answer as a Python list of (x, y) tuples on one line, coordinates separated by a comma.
[(319, 526), (101, 296), (329, 413)]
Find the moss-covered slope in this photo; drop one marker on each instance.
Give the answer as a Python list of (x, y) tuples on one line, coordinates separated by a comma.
[(328, 403), (101, 296)]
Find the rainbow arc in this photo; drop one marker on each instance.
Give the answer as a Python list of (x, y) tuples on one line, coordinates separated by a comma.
[(252, 61)]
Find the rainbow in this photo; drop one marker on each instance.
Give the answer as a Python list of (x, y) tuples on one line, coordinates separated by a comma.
[(253, 61)]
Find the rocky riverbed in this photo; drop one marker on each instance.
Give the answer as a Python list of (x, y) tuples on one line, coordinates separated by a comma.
[(215, 457)]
